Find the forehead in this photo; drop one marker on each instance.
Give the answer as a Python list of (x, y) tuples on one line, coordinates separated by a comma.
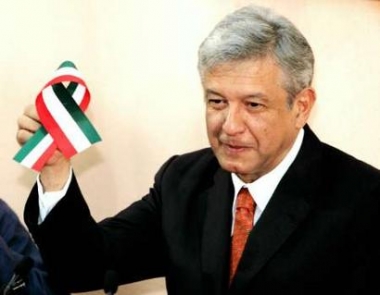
[(246, 75)]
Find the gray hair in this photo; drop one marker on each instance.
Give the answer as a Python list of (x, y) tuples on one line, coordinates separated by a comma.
[(257, 32)]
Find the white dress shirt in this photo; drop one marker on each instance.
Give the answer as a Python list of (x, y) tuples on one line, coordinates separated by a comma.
[(47, 200)]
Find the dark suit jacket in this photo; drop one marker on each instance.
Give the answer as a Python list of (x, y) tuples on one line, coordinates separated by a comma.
[(318, 234), (16, 244)]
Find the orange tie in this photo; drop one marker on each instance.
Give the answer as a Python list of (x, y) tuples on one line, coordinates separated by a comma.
[(245, 207)]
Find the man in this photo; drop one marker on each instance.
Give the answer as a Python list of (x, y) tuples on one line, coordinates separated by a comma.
[(315, 209), (19, 258)]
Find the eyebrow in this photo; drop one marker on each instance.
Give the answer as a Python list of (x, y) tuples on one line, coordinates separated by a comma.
[(209, 91), (257, 95), (252, 95)]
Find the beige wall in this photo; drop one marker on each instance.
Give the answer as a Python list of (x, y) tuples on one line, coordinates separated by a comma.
[(139, 60)]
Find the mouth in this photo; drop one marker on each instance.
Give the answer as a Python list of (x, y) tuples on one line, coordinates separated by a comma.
[(234, 148)]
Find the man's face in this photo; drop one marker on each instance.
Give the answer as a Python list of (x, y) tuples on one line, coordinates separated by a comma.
[(250, 125)]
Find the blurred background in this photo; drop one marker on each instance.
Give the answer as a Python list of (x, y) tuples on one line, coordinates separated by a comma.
[(139, 61)]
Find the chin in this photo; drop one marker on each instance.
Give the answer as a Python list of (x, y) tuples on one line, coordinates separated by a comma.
[(231, 167)]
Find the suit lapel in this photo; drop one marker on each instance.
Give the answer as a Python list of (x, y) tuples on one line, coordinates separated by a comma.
[(216, 234), (288, 207)]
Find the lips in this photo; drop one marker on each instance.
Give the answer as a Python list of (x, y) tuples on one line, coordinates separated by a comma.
[(234, 147), (233, 144)]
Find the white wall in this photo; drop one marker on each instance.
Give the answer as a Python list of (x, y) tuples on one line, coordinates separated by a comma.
[(139, 61)]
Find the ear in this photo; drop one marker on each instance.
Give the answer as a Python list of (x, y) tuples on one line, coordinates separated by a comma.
[(303, 104)]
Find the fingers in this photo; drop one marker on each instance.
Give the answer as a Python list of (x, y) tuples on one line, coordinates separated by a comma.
[(27, 123), (29, 119), (22, 136)]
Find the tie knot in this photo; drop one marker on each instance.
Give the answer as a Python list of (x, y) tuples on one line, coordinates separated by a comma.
[(245, 200)]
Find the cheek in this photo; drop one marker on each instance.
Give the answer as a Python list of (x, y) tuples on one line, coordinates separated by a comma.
[(262, 134), (258, 127), (214, 122)]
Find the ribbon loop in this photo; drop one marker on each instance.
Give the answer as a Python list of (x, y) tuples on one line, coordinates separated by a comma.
[(60, 105)]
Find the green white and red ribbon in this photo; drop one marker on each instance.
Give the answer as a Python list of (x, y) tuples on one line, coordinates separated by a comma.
[(60, 106)]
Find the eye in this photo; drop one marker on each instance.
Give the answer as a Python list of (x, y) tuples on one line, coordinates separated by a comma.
[(216, 103), (254, 105)]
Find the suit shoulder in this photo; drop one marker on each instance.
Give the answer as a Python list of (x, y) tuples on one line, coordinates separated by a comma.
[(341, 162), (205, 155), (194, 164), (196, 160)]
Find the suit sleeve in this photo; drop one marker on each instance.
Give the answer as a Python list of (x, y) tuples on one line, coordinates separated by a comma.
[(77, 250)]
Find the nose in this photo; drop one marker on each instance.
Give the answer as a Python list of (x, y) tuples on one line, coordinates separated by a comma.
[(234, 121)]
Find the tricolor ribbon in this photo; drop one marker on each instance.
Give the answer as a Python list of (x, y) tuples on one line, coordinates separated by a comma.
[(60, 106)]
